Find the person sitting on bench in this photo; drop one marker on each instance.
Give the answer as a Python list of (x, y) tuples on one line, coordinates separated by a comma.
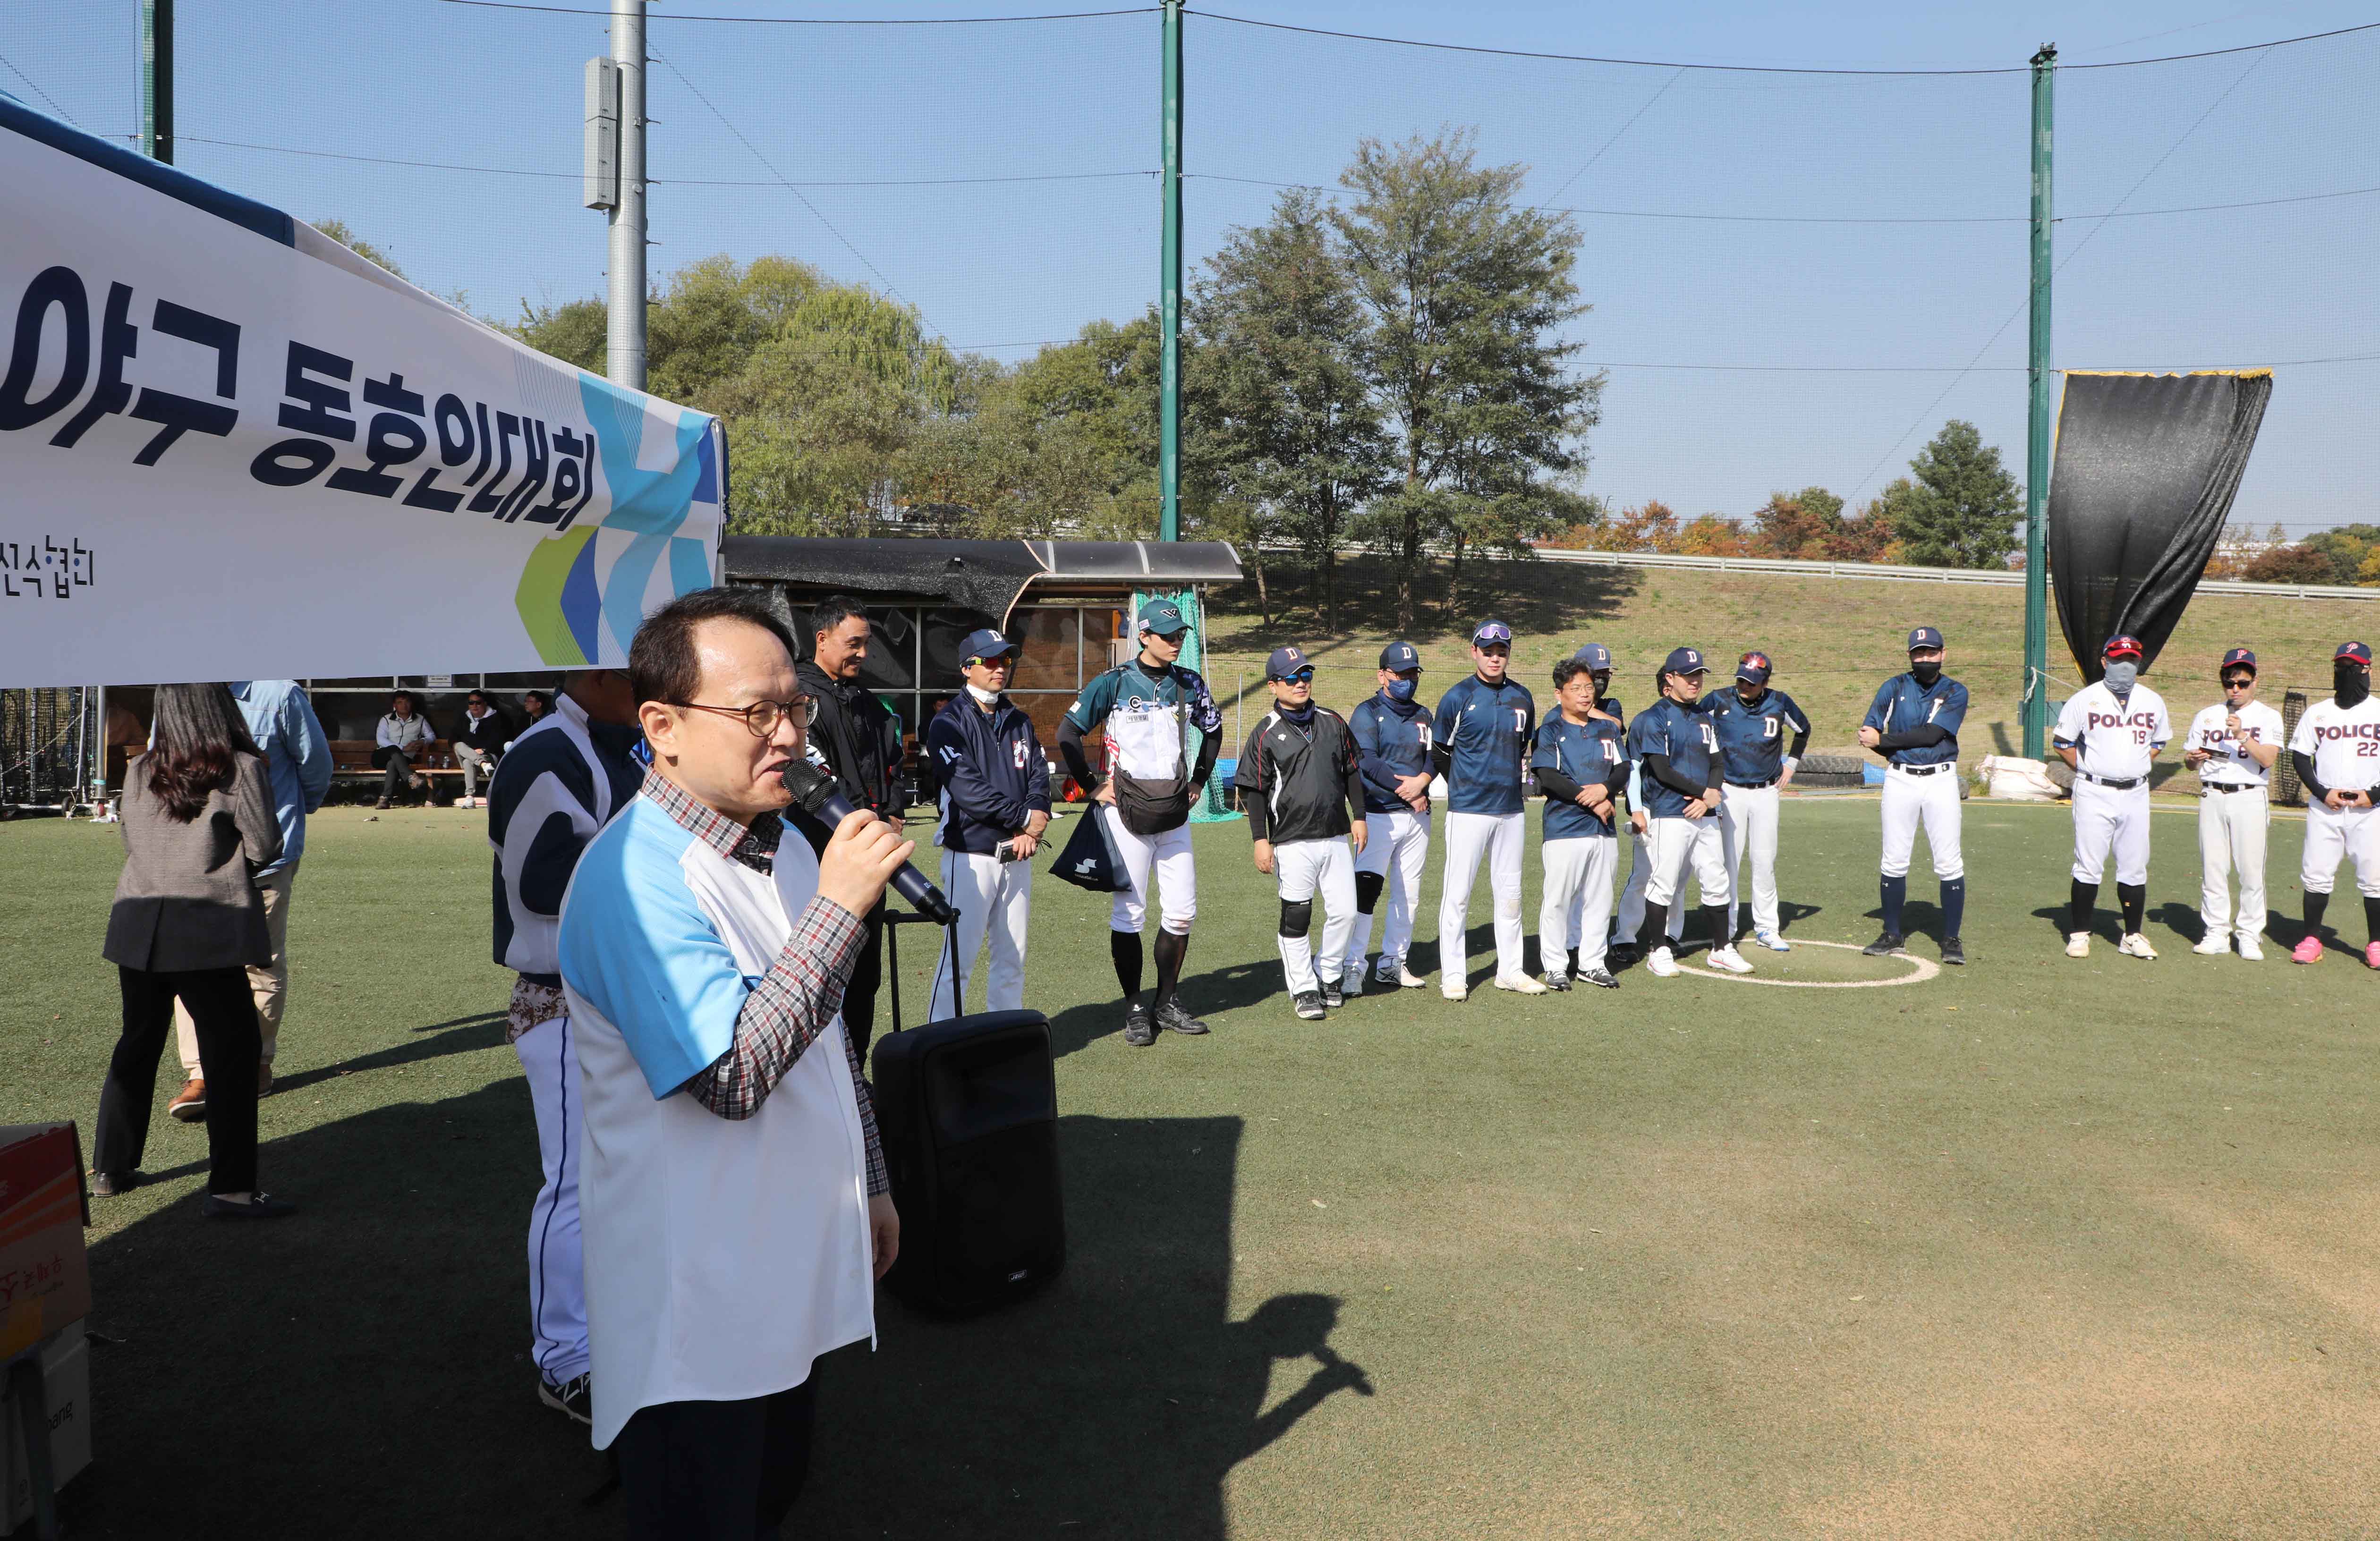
[(404, 737)]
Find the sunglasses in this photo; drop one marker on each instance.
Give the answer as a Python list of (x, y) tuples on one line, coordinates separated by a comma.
[(1302, 676), (1494, 631), (2241, 683)]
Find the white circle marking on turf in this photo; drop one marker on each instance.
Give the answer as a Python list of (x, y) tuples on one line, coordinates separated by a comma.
[(1925, 968)]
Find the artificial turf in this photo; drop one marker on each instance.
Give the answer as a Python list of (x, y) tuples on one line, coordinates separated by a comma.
[(2035, 1247)]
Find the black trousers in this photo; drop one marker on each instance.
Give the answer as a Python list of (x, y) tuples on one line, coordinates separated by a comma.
[(223, 1009), (400, 772), (715, 1471), (867, 977)]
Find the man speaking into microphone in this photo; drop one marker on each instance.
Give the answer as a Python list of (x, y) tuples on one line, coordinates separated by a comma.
[(733, 1201)]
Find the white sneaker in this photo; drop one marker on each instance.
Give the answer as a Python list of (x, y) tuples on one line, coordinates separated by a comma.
[(2250, 952), (461, 802), (1525, 985), (2213, 944), (2078, 945), (1730, 959), (1660, 964), (2135, 945), (1455, 991), (1771, 940), (1408, 980)]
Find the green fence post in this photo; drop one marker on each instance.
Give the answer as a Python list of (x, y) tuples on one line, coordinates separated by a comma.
[(157, 79), (2036, 456), (1168, 402)]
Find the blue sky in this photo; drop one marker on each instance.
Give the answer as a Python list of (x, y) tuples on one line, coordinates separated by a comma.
[(1790, 272)]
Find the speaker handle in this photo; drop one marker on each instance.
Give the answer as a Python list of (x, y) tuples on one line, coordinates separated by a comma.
[(894, 921)]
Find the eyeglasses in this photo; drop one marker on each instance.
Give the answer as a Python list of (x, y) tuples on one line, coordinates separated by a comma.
[(1302, 676), (764, 717)]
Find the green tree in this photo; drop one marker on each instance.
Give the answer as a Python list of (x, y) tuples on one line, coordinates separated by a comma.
[(2346, 548), (576, 334), (1286, 428), (1963, 508), (337, 230), (1465, 290)]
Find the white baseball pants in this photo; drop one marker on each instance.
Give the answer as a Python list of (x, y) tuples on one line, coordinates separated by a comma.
[(2335, 832), (1630, 917), (557, 1278), (1168, 855), (1397, 846), (1470, 836), (1306, 869), (1748, 824), (2232, 836), (1577, 906), (1681, 844), (1931, 801), (995, 900), (2107, 820)]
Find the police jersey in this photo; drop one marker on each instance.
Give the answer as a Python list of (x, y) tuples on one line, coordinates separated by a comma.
[(1682, 733), (1485, 729), (1903, 704), (1143, 718), (2232, 764), (1752, 736), (1589, 753), (1392, 738), (2344, 743), (2118, 738)]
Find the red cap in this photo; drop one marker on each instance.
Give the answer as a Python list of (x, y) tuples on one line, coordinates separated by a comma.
[(2122, 645)]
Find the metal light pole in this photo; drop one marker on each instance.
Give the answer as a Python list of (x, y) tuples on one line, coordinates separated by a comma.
[(624, 356), (2037, 455), (1168, 398), (157, 79)]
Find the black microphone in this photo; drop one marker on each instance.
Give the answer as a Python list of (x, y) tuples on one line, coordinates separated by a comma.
[(814, 793)]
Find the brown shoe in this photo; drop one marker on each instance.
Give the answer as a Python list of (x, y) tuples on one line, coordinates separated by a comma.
[(382, 804), (264, 1078), (190, 1104)]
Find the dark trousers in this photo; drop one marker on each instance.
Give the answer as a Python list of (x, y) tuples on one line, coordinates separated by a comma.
[(223, 1010), (715, 1471), (399, 767), (867, 977)]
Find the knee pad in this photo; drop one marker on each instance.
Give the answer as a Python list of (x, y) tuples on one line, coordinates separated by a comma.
[(1367, 890), (1296, 916)]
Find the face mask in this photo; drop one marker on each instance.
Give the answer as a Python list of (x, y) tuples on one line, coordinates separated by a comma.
[(1926, 672), (2350, 684), (2120, 677), (985, 698), (1403, 690)]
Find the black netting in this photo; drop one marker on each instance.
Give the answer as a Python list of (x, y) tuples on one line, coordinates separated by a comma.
[(2145, 472)]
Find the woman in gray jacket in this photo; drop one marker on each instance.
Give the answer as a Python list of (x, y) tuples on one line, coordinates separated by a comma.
[(187, 921)]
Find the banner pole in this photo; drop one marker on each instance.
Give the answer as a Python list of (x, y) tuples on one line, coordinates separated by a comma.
[(1169, 404), (2036, 458), (157, 79), (625, 342)]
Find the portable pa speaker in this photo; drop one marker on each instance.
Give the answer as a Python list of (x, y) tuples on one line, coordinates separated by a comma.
[(967, 1110)]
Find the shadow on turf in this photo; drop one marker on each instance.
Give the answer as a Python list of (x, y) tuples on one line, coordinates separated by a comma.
[(361, 1368)]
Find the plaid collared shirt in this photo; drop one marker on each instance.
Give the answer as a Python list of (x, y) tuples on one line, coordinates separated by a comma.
[(795, 1000)]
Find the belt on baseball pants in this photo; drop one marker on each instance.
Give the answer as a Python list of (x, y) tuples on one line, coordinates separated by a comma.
[(1754, 786), (1926, 770), (2113, 786), (2232, 786)]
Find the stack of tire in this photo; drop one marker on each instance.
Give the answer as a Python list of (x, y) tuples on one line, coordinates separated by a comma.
[(1830, 772)]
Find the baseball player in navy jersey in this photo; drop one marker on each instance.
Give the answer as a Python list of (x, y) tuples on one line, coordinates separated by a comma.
[(1678, 769), (1761, 736), (992, 793), (1914, 723), (2112, 732), (2232, 745), (2336, 753), (1392, 737), (1581, 764), (1303, 787), (1480, 744), (1619, 947)]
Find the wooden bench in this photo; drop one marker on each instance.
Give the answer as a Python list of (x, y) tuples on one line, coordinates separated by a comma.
[(351, 761)]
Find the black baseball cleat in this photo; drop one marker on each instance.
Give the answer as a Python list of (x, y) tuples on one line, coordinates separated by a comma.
[(1333, 995), (1599, 978), (1623, 954), (1174, 1017), (1307, 1003), (1139, 1027), (1557, 981), (1885, 946), (1951, 952)]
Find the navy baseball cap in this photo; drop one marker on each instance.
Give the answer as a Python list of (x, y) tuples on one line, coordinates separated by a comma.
[(1595, 655), (985, 644), (1754, 666), (2240, 658), (2122, 645), (1683, 661), (1925, 637), (1398, 657), (2353, 652), (1285, 662), (1491, 631), (1163, 617)]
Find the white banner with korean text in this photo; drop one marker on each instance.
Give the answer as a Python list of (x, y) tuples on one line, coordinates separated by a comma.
[(231, 449)]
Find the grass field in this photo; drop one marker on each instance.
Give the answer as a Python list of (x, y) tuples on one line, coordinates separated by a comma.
[(2033, 1248), (1833, 639)]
